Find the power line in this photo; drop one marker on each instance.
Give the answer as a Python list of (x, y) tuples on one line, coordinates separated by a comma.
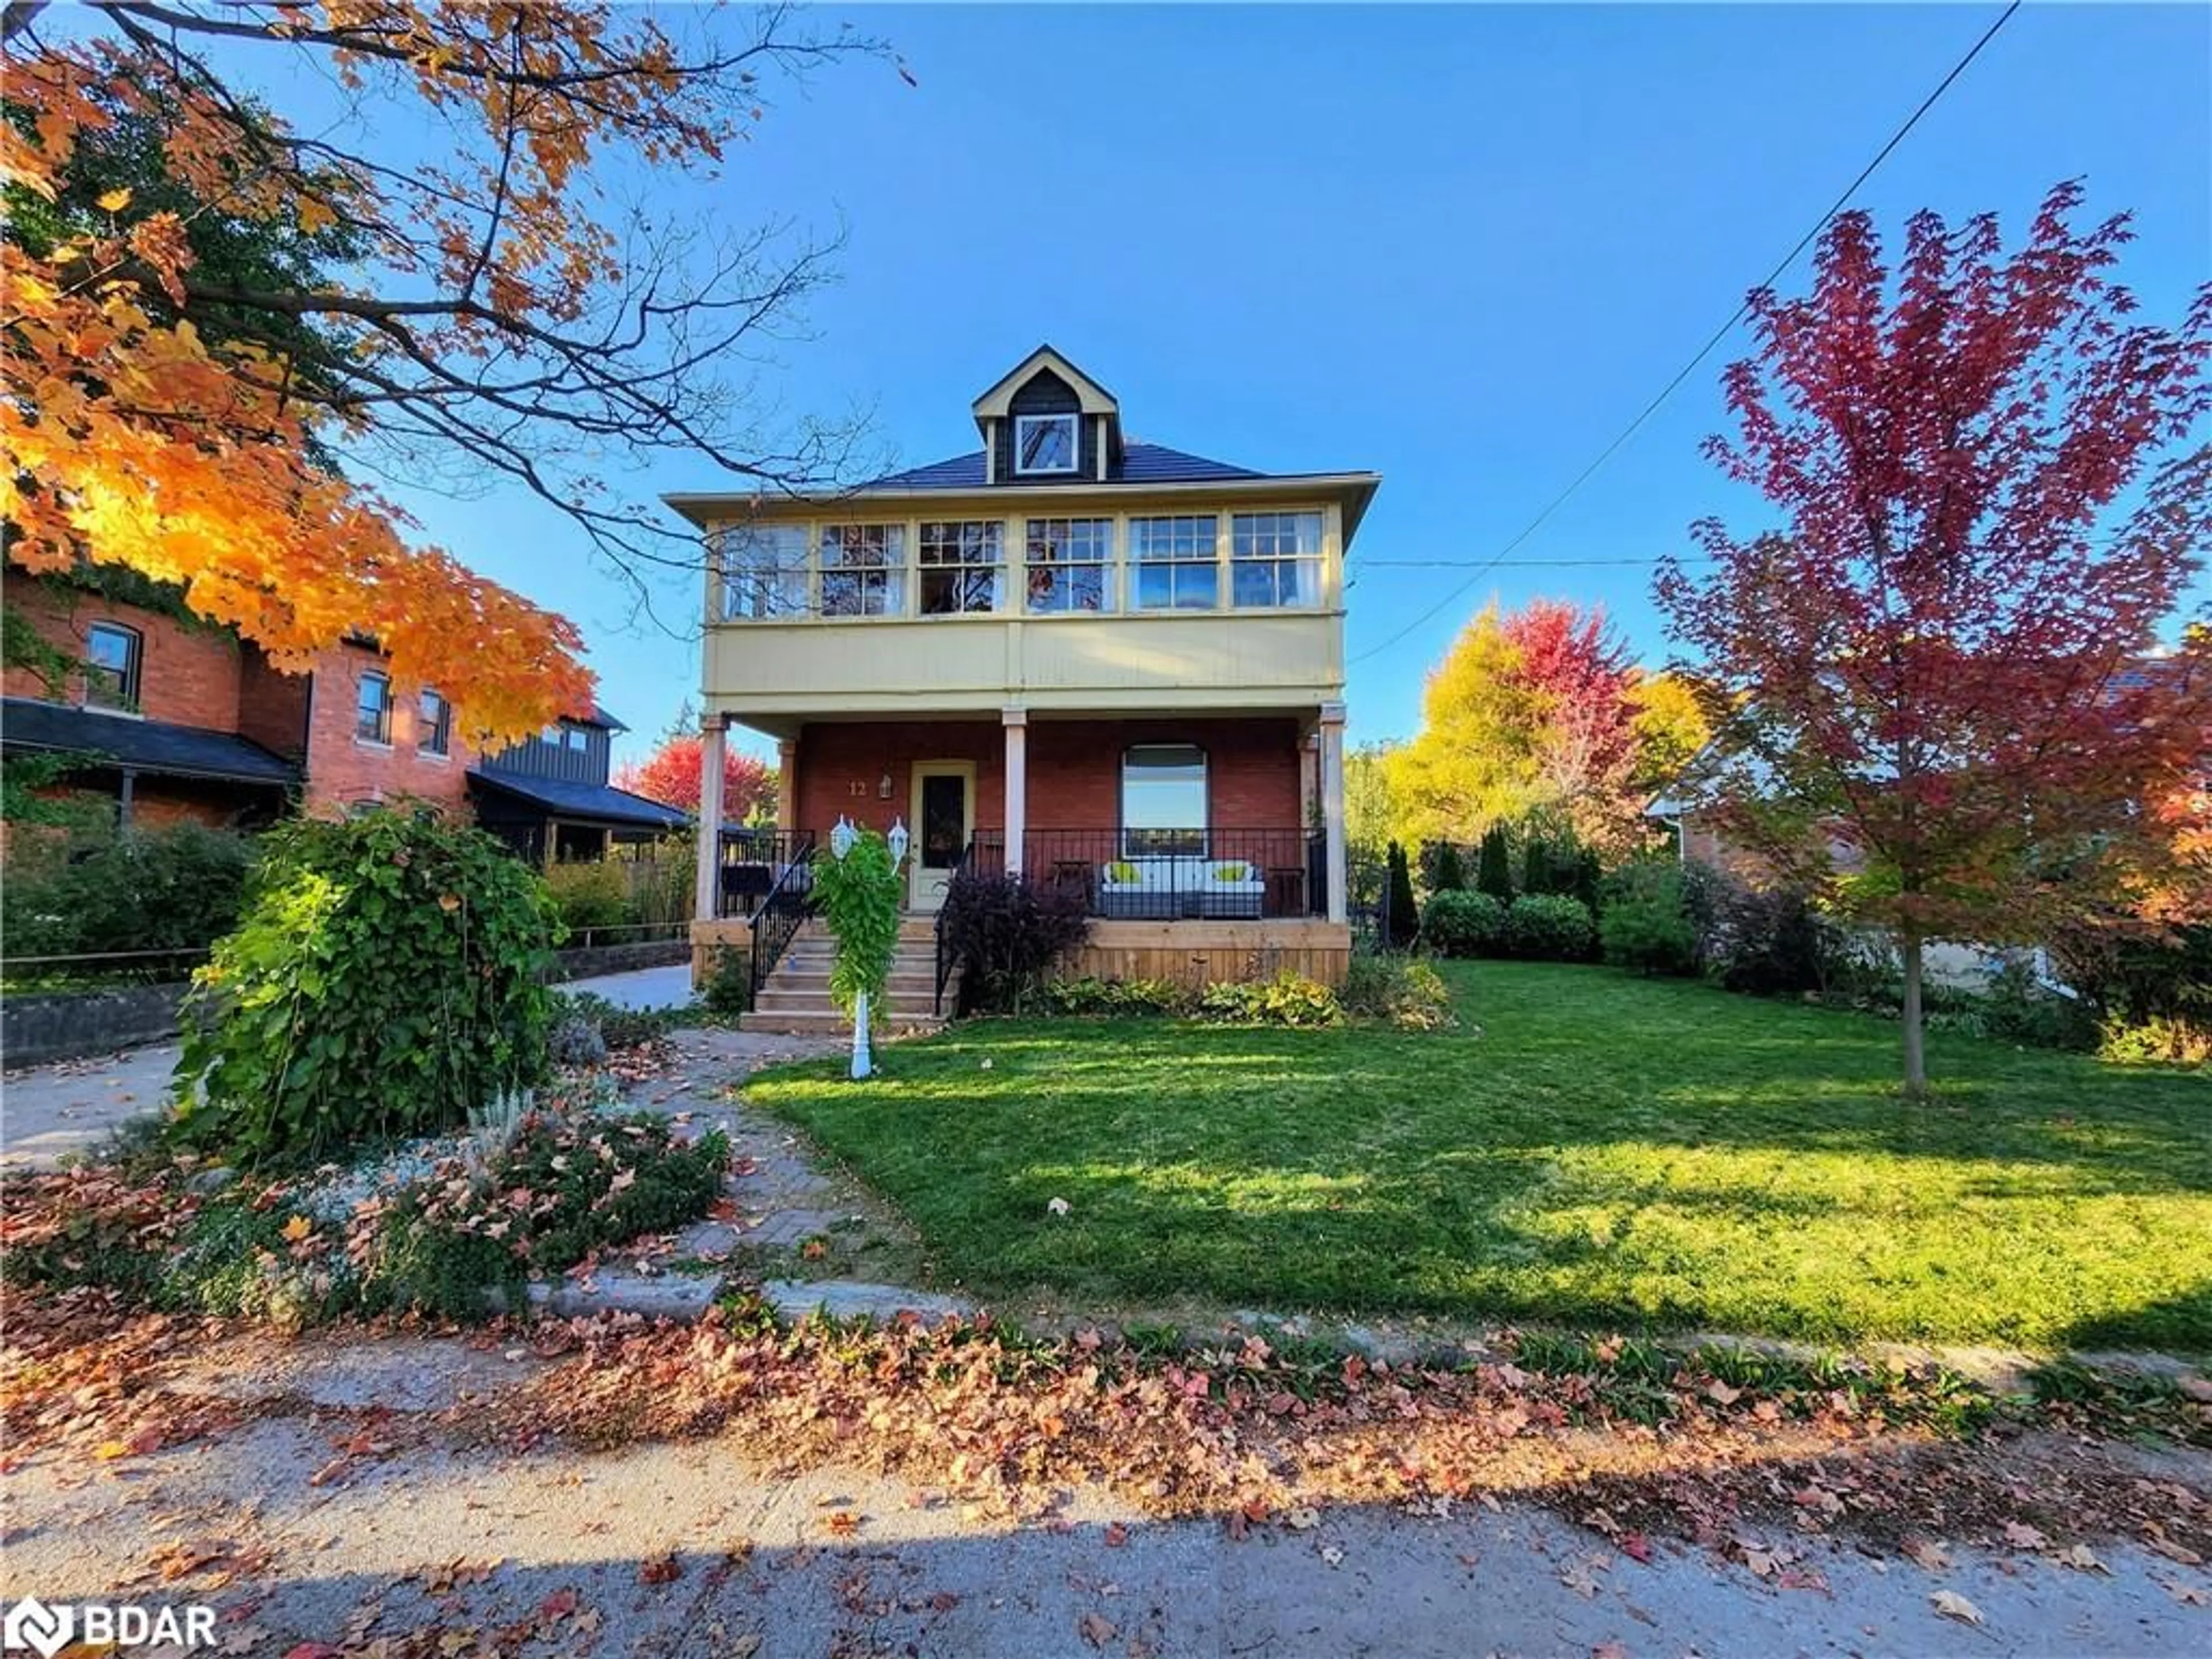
[(1706, 349)]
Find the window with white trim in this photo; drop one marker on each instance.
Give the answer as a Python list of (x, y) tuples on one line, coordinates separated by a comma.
[(763, 571), (1274, 559), (1172, 563), (1045, 443), (1070, 565), (964, 567), (113, 653), (863, 569), (1163, 810)]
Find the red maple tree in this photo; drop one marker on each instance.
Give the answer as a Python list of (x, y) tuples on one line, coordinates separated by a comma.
[(1948, 706), (671, 774), (1579, 670)]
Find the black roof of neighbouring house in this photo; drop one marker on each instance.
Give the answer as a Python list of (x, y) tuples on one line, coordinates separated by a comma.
[(599, 803), (143, 745), (1139, 464)]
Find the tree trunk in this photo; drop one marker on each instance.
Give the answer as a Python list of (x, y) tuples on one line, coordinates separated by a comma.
[(1916, 1060)]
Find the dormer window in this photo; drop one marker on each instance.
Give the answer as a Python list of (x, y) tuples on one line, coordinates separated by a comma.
[(1044, 443)]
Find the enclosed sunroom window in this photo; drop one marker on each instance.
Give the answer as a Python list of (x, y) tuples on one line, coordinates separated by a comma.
[(1274, 559), (962, 567), (863, 569), (764, 572), (1070, 564)]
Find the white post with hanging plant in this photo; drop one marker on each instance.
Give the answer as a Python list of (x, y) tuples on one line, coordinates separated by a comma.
[(859, 890)]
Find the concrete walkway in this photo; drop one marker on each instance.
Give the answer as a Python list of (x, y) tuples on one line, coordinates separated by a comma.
[(48, 1113), (641, 987)]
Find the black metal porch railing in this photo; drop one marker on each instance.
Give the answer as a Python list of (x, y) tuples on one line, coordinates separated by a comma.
[(781, 911), (751, 862), (1183, 875)]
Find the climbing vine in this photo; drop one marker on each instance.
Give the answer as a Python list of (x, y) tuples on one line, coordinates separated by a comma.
[(860, 897)]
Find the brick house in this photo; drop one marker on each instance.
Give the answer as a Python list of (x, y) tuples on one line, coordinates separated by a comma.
[(187, 720), (183, 719), (1102, 663)]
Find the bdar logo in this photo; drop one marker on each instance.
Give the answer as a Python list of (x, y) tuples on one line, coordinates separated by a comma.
[(31, 1624)]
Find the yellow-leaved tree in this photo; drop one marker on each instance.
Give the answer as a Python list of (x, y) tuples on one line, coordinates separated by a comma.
[(1538, 714), (214, 320)]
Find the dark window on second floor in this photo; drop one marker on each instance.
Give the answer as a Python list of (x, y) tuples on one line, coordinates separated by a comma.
[(437, 734), (372, 709), (112, 657)]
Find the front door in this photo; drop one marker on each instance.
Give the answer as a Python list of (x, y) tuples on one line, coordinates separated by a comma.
[(944, 824)]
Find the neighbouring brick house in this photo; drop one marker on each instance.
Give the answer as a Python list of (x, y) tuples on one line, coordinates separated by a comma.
[(187, 720), (1105, 663), (183, 719)]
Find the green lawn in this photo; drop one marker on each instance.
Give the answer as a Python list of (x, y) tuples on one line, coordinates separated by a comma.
[(1608, 1152)]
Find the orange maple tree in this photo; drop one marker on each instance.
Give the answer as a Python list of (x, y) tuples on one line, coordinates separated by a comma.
[(494, 323)]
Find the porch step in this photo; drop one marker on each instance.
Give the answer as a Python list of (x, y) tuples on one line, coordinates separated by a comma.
[(918, 979), (899, 1004), (831, 1024)]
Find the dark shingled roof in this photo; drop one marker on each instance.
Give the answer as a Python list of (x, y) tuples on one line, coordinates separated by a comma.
[(1141, 464), (598, 802), (143, 745)]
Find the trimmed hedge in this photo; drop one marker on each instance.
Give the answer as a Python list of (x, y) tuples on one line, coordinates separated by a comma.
[(1460, 923)]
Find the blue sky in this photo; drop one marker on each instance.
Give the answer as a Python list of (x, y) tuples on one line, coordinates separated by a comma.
[(1458, 246)]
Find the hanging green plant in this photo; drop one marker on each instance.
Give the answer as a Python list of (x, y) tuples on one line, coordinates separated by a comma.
[(859, 899)]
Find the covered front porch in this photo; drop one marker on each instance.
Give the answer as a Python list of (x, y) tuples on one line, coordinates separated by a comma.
[(1207, 845)]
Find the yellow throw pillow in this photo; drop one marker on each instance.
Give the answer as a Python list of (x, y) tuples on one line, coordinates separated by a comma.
[(1125, 873)]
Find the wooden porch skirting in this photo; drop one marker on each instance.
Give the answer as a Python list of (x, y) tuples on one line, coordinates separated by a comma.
[(1190, 952), (708, 939), (1208, 952)]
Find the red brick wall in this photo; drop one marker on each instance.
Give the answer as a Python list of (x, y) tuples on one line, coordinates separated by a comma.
[(343, 771), (188, 673), (272, 707), (1074, 770), (1251, 771), (833, 756)]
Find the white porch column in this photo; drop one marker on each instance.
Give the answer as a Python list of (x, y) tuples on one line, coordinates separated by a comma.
[(1332, 807), (1017, 784), (712, 740), (787, 785)]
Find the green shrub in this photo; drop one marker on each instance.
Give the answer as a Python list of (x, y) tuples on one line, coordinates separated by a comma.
[(2152, 993), (1443, 867), (1464, 924), (1401, 992), (1289, 998), (384, 982), (729, 988), (590, 895), (1493, 864), (1645, 924), (619, 1027), (1117, 998), (1768, 941), (1401, 918), (1550, 928), (1007, 935), (178, 888)]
